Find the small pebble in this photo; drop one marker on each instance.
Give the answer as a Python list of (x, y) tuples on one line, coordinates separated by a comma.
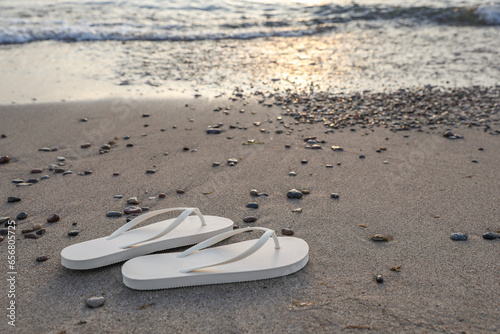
[(252, 205), (59, 170), (129, 145), (105, 147), (118, 196), (145, 115), (338, 163), (114, 214), (36, 171), (379, 279), (214, 131), (250, 219), (362, 156), (474, 161), (329, 166), (32, 181), (161, 195), (132, 209), (180, 191), (13, 199), (95, 302), (305, 192), (292, 174), (31, 236), (54, 218), (45, 177), (386, 162), (216, 164), (73, 233), (68, 172), (254, 192), (294, 193), (150, 171), (337, 149), (304, 162), (42, 258), (335, 195), (133, 200), (287, 231), (4, 220), (87, 172), (40, 232), (24, 184), (4, 159), (491, 236), (44, 149), (85, 119), (381, 238), (459, 237), (116, 174), (61, 159), (86, 145), (298, 210), (232, 161), (21, 215), (17, 181)]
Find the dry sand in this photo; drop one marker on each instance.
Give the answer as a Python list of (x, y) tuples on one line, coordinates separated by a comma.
[(428, 190)]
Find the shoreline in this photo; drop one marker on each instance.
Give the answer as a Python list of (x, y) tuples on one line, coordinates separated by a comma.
[(428, 189)]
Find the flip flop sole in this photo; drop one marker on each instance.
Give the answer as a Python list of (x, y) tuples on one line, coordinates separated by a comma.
[(102, 252), (163, 271)]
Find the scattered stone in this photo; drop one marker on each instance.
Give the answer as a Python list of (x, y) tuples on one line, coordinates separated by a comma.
[(379, 279), (150, 171), (334, 195), (73, 233), (250, 219), (338, 163), (114, 214), (21, 215), (381, 238), (337, 149), (17, 181), (162, 195), (145, 115), (86, 145), (254, 192), (59, 170), (1, 238), (216, 164), (44, 149), (298, 210), (4, 220), (386, 162), (45, 177), (105, 147), (40, 232), (4, 159), (252, 205), (287, 231), (3, 136), (232, 161), (292, 174), (304, 162), (451, 135), (33, 228), (95, 302), (214, 131), (85, 119), (180, 191), (67, 173), (474, 161), (4, 231), (118, 196), (132, 209), (32, 181), (61, 159), (13, 199), (42, 258), (294, 193), (54, 149), (491, 236), (87, 172), (288, 146), (54, 218), (305, 192), (36, 171), (116, 174), (362, 156), (133, 200), (24, 184), (31, 236), (129, 145), (329, 166), (459, 237)]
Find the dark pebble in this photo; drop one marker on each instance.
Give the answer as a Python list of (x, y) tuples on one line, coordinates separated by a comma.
[(54, 218), (161, 195), (145, 115), (4, 231), (335, 195), (214, 131), (116, 174), (3, 136), (17, 181), (216, 164), (86, 145), (4, 159), (474, 161), (32, 181), (287, 231), (337, 149), (180, 191), (13, 199), (87, 172), (459, 237), (73, 233), (252, 205), (36, 171), (44, 149), (132, 209), (305, 192), (21, 215), (95, 302), (491, 236), (85, 119), (329, 166), (380, 238), (45, 177), (40, 232), (304, 162), (185, 148), (294, 193), (150, 171), (114, 214), (379, 279), (42, 258), (129, 145), (31, 236), (250, 219), (362, 156), (106, 147), (59, 170)]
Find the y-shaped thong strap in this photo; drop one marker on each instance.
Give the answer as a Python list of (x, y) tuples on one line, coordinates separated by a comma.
[(209, 242), (141, 218)]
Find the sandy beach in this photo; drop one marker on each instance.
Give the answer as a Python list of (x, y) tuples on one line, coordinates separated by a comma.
[(415, 187)]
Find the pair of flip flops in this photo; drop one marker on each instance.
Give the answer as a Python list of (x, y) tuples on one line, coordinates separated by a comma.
[(243, 261)]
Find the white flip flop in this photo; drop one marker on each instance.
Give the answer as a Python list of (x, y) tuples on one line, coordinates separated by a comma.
[(122, 244), (244, 261)]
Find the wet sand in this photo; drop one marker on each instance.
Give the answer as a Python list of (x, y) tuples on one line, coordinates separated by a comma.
[(428, 189)]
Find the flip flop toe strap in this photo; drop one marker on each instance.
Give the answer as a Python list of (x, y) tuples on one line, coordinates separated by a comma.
[(169, 228), (209, 242)]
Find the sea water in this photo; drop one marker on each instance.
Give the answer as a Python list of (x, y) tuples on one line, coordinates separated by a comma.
[(259, 44)]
